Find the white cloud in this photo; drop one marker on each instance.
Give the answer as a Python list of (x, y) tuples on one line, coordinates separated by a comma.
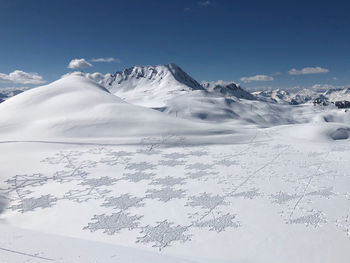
[(106, 60), (79, 63), (21, 77), (205, 3), (257, 78), (97, 76), (308, 70), (218, 82)]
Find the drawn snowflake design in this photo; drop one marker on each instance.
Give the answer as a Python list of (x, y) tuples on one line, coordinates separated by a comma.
[(142, 166), (220, 223), (207, 201), (199, 166), (168, 181), (30, 204), (171, 162), (97, 150), (26, 180), (149, 151), (163, 234), (344, 224), (84, 195), (199, 153), (200, 174), (283, 197), (66, 176), (114, 158), (226, 162), (123, 202), (325, 192), (251, 194), (67, 158), (165, 194), (97, 182), (112, 224), (315, 218), (174, 155), (138, 176)]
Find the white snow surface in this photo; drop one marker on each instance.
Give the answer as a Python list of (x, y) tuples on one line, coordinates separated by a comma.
[(86, 176)]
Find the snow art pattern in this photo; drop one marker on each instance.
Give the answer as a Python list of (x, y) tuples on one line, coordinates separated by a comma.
[(166, 177)]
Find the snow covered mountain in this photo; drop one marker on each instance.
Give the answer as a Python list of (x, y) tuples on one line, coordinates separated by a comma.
[(285, 97), (150, 86), (170, 90), (6, 93), (227, 90), (338, 94), (76, 107), (303, 95)]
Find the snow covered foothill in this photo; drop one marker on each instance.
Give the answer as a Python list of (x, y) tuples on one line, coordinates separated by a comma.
[(76, 107)]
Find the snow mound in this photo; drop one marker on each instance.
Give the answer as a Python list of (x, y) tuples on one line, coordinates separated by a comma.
[(314, 132), (340, 134), (76, 107)]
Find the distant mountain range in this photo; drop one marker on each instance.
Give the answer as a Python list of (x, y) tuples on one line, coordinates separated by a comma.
[(155, 86)]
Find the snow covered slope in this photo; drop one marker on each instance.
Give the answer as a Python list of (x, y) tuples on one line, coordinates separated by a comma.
[(75, 107), (227, 90), (215, 108), (280, 197), (150, 86)]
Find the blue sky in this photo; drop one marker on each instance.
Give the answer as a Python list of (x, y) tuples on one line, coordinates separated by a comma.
[(256, 43)]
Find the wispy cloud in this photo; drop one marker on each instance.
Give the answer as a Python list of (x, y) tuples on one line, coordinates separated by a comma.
[(106, 60), (79, 63), (308, 70), (21, 77), (257, 78), (205, 3)]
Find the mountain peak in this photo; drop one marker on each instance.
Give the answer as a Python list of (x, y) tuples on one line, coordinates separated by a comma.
[(227, 89), (157, 74), (151, 86)]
